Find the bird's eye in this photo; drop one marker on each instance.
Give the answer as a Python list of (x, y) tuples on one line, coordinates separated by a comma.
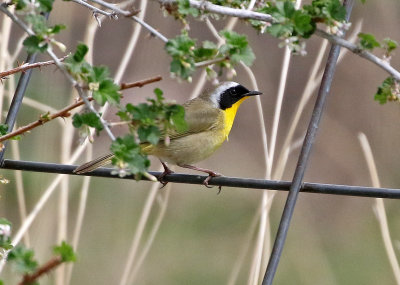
[(233, 91)]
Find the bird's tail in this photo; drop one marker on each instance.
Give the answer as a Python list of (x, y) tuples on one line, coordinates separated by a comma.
[(94, 164)]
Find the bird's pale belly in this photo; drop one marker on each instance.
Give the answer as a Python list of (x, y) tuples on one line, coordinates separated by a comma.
[(189, 149)]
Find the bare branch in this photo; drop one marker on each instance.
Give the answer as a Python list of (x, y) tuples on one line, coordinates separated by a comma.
[(385, 65), (65, 111), (129, 14), (141, 83), (93, 8), (62, 113), (227, 11), (45, 268), (209, 62), (24, 67)]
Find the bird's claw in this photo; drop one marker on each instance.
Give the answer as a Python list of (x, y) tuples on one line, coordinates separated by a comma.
[(211, 175), (163, 184), (162, 176)]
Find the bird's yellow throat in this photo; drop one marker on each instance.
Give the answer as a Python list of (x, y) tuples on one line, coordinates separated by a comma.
[(230, 114)]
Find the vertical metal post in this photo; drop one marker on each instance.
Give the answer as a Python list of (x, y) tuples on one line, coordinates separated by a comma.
[(303, 159)]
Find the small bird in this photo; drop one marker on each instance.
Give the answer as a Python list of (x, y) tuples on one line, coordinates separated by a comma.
[(209, 118)]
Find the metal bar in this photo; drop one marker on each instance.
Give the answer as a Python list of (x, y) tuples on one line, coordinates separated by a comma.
[(17, 100), (303, 159), (358, 191), (18, 96)]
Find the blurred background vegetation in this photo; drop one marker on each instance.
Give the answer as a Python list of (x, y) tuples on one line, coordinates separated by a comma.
[(332, 239)]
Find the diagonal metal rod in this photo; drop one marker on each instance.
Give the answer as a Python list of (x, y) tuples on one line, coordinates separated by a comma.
[(318, 188), (18, 96), (303, 159), (17, 100)]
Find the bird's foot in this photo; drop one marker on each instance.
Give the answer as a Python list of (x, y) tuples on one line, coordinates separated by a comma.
[(210, 173), (162, 175)]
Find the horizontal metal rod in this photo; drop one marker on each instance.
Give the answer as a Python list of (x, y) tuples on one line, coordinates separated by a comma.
[(360, 191)]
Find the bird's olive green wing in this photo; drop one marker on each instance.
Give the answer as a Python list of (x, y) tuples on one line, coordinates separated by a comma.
[(200, 116)]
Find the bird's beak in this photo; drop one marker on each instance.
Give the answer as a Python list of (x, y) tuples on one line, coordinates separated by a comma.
[(253, 93)]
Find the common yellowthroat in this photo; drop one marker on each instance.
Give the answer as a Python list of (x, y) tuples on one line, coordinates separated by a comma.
[(209, 118)]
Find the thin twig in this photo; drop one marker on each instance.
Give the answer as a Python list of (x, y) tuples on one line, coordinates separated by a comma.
[(93, 8), (46, 268), (209, 62), (245, 14), (44, 119), (24, 67), (65, 111), (15, 19), (384, 64), (141, 83), (227, 11), (136, 19)]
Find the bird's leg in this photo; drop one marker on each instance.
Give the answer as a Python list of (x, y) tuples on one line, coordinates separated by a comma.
[(166, 172), (210, 173)]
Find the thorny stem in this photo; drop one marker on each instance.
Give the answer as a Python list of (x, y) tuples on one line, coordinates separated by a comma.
[(141, 83), (65, 111), (45, 268), (24, 67)]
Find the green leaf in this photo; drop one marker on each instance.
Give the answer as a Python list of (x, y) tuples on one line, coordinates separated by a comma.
[(90, 119), (3, 131), (386, 91), (185, 9), (327, 11), (19, 4), (98, 74), (390, 45), (206, 51), (181, 49), (180, 46), (279, 31), (65, 251), (285, 8), (176, 115), (23, 259), (128, 152), (368, 41), (159, 93), (4, 221), (149, 134), (46, 5), (303, 24), (34, 44), (57, 28), (39, 24), (108, 92), (81, 51), (237, 48)]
